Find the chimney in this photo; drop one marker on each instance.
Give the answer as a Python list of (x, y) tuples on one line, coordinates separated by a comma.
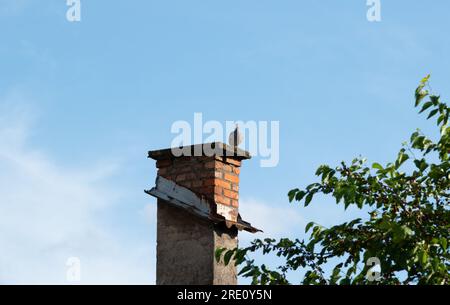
[(198, 212)]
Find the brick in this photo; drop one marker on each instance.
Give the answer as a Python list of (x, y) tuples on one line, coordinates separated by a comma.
[(223, 183), (186, 184), (218, 190), (207, 190), (180, 178), (210, 164), (170, 177), (209, 182), (218, 165), (163, 171), (163, 163), (227, 168), (213, 178), (191, 176), (234, 213), (235, 203), (197, 183), (233, 161), (231, 178), (222, 200), (180, 160), (231, 194), (217, 182), (205, 174), (181, 169)]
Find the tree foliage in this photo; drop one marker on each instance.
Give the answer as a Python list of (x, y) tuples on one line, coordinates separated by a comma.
[(407, 228)]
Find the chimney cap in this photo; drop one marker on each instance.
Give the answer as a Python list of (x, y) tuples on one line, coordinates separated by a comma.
[(220, 149)]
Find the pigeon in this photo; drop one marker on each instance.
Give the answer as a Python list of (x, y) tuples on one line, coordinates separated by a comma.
[(235, 137)]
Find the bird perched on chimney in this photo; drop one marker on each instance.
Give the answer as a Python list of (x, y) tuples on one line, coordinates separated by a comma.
[(235, 137)]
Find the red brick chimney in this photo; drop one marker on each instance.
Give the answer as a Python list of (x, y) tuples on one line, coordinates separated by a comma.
[(198, 212)]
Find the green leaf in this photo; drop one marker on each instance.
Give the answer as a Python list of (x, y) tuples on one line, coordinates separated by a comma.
[(432, 113), (227, 257), (407, 231), (420, 93), (423, 257), (443, 242), (316, 231), (440, 119), (239, 257), (335, 276), (308, 198), (345, 281), (353, 222), (245, 269), (414, 136), (299, 196), (421, 164), (425, 79), (377, 166), (435, 99), (291, 194), (308, 226), (219, 252), (426, 106), (402, 157)]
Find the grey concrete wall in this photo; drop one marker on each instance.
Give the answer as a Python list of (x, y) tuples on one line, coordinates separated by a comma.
[(185, 249), (225, 238)]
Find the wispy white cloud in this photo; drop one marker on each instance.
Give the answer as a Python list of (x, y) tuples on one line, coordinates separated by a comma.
[(49, 212), (284, 219), (276, 221)]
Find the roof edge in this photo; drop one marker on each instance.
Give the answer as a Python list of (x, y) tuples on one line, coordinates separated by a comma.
[(206, 149)]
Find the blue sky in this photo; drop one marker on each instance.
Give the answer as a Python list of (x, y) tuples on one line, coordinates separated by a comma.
[(81, 104)]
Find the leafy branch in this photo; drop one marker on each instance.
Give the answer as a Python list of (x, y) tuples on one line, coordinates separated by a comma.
[(409, 224)]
